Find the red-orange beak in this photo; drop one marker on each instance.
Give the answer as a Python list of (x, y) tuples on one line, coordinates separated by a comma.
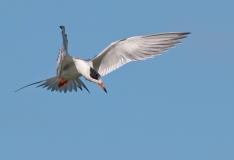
[(102, 86)]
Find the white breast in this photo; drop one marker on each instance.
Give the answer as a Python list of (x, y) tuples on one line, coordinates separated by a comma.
[(83, 67)]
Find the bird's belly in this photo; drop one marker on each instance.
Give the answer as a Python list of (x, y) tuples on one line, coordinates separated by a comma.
[(70, 71)]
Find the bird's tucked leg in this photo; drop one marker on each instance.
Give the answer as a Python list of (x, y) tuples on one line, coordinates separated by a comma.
[(62, 82)]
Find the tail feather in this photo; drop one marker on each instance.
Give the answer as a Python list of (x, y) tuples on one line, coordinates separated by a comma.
[(50, 83), (79, 81), (45, 84), (74, 86), (65, 89), (53, 85), (69, 86), (30, 85), (77, 84)]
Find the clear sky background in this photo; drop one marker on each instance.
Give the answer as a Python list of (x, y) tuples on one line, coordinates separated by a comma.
[(177, 106)]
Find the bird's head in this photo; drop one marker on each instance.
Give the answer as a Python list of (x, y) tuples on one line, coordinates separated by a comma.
[(96, 78), (97, 81)]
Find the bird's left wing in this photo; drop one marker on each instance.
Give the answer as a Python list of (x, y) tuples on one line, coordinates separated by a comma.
[(63, 58), (133, 49)]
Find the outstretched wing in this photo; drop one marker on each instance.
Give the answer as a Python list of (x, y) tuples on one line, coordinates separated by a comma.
[(133, 49), (63, 58)]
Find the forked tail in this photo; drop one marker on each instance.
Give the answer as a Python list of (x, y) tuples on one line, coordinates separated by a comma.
[(53, 84)]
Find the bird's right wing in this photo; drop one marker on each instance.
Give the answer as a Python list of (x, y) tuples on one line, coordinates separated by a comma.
[(63, 58), (133, 49)]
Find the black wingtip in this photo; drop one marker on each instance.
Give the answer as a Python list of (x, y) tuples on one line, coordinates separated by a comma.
[(61, 27)]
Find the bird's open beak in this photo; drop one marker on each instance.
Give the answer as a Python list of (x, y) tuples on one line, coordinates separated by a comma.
[(102, 86)]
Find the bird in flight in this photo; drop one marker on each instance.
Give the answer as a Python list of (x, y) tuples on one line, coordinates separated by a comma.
[(70, 69)]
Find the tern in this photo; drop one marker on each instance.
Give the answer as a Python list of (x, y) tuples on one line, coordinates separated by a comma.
[(70, 69)]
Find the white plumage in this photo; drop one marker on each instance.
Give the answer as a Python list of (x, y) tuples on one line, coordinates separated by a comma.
[(117, 54)]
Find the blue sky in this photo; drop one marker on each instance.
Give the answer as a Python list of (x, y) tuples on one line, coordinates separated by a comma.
[(178, 105)]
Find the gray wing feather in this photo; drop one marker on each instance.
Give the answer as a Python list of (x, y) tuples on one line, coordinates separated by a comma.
[(63, 58), (133, 49)]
